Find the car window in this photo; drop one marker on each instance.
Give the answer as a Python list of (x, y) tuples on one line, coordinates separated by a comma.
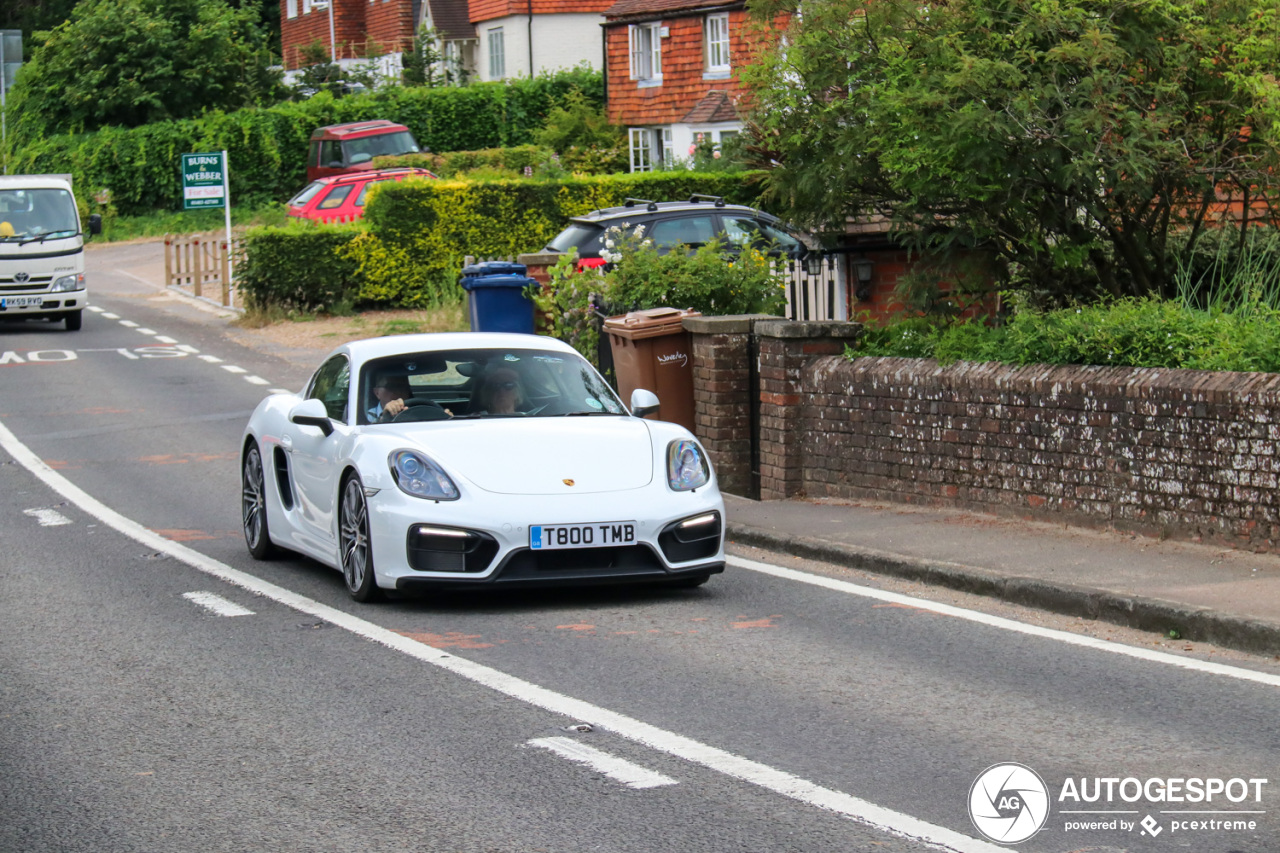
[(585, 238), (331, 154), (462, 382), (331, 385), (308, 193), (336, 197), (364, 190), (689, 230), (749, 231)]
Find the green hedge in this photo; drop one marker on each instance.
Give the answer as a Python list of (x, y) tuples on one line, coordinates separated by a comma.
[(298, 267), (420, 232), (410, 247), (267, 147)]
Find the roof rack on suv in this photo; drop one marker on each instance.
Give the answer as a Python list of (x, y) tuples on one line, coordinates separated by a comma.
[(650, 206), (697, 197)]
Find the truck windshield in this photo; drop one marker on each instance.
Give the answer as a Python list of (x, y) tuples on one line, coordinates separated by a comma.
[(33, 214)]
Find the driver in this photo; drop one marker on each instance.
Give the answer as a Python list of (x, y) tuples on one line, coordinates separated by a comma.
[(391, 390)]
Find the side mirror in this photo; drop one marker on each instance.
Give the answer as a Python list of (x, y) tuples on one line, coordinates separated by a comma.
[(95, 223), (643, 403), (312, 413)]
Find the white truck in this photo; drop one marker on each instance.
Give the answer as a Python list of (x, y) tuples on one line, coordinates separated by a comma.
[(42, 250)]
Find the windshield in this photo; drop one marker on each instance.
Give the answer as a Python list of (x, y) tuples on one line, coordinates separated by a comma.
[(585, 238), (483, 383), (308, 193), (383, 145), (35, 214)]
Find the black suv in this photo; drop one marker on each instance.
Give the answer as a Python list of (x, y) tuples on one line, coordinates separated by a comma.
[(692, 223)]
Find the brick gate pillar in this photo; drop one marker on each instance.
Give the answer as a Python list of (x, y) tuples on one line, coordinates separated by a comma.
[(785, 347)]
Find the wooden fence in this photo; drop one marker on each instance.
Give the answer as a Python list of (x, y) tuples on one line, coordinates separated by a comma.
[(817, 293), (203, 265)]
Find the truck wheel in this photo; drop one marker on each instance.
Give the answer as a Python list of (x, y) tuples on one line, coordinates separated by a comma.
[(74, 319)]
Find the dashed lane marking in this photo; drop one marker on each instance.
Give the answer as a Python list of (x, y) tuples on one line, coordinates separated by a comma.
[(165, 339), (129, 324), (47, 517), (217, 604), (146, 331), (211, 359), (256, 380), (617, 769), (233, 368)]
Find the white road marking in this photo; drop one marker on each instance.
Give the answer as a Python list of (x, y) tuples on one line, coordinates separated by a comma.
[(217, 604), (279, 391), (232, 368), (212, 359), (617, 769), (165, 339), (1008, 624), (95, 309), (129, 324), (47, 517), (109, 316), (188, 348), (256, 380), (146, 331), (735, 766)]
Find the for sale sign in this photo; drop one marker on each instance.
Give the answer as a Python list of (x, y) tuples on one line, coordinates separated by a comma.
[(204, 180)]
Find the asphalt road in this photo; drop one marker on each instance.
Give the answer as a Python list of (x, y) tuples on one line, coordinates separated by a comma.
[(758, 713)]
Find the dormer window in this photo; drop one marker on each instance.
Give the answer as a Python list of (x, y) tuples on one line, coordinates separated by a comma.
[(715, 40)]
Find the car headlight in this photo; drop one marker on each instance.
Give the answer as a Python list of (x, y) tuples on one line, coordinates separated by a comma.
[(687, 466), (417, 475), (69, 282)]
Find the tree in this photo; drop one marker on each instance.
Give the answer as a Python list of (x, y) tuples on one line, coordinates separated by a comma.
[(132, 62), (1068, 140)]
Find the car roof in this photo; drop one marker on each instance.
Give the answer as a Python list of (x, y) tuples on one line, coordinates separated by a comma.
[(372, 174), (391, 345), (639, 207), (355, 129)]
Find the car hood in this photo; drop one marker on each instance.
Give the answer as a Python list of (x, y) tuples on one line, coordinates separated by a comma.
[(544, 456)]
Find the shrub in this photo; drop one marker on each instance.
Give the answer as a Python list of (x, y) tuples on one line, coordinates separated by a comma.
[(298, 267)]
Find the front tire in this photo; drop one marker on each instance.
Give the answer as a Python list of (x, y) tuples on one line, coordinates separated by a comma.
[(355, 554), (74, 320), (253, 505)]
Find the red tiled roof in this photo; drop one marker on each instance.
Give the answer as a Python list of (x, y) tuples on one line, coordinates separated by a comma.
[(450, 19), (715, 106), (488, 10)]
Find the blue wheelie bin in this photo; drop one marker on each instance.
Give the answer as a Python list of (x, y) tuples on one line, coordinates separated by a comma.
[(496, 300)]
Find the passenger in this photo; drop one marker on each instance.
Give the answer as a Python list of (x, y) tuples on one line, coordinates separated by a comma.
[(391, 390), (501, 393)]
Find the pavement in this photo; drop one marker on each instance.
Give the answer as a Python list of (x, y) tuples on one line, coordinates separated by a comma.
[(1199, 592)]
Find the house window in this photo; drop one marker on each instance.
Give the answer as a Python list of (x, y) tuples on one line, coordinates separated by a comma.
[(291, 8), (497, 55), (651, 148), (306, 7), (646, 52), (641, 149), (715, 37)]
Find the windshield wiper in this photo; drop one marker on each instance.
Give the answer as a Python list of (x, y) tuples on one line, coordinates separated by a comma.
[(48, 235), (583, 414)]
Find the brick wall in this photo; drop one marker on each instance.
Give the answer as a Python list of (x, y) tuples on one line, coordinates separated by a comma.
[(1188, 454)]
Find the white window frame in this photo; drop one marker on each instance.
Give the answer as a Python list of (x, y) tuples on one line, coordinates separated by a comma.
[(497, 58), (644, 44), (641, 139), (715, 40), (668, 147), (291, 8), (306, 7)]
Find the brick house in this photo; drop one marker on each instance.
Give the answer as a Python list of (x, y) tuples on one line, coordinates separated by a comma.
[(673, 74), (523, 38), (358, 30)]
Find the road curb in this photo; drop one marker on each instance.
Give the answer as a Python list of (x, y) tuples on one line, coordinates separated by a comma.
[(1199, 624)]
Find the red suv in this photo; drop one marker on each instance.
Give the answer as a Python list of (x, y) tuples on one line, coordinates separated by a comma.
[(340, 198), (343, 148)]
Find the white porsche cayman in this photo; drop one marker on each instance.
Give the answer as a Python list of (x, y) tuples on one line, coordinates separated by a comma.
[(475, 460)]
